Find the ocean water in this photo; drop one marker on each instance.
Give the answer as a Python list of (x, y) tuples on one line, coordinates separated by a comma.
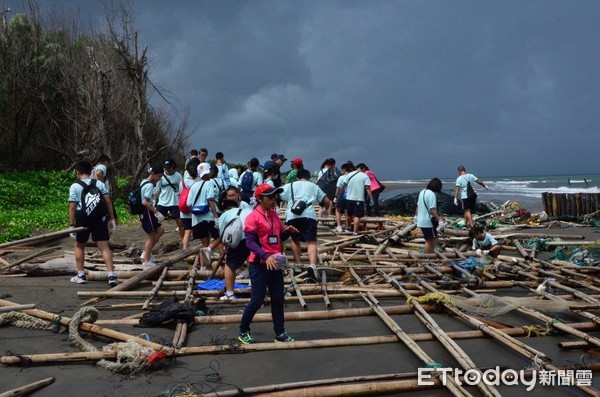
[(526, 190)]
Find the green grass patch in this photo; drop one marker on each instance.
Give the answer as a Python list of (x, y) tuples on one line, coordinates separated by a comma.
[(34, 202)]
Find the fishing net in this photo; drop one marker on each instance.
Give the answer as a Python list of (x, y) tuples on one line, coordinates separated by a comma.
[(489, 305)]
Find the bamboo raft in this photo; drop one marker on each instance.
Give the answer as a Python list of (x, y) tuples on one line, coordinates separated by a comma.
[(379, 276)]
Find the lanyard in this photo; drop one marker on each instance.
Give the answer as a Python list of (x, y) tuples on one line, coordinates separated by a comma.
[(265, 214)]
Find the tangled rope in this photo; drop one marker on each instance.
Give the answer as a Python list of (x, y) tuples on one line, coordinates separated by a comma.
[(131, 357), (23, 320), (538, 330), (432, 297)]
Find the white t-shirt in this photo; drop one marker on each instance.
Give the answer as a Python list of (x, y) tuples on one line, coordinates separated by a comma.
[(306, 191), (425, 203), (357, 181)]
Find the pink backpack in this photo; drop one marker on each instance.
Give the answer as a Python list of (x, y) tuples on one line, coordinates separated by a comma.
[(183, 197)]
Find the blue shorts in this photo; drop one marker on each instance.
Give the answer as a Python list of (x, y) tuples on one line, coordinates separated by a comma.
[(187, 223), (205, 229), (98, 230), (355, 208), (307, 228), (149, 221), (172, 211), (237, 256), (469, 203), (341, 203), (430, 233)]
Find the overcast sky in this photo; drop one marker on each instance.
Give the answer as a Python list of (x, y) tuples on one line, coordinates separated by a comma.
[(412, 88)]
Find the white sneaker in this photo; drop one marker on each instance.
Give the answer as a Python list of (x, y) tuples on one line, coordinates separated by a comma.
[(149, 263), (243, 274), (152, 258), (337, 229), (79, 279), (227, 298)]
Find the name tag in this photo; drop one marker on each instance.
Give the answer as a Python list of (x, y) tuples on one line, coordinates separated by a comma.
[(273, 239)]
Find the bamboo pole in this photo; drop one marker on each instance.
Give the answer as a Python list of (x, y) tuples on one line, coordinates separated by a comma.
[(121, 336), (29, 388), (156, 288), (43, 237), (308, 344), (452, 386), (16, 308), (452, 347)]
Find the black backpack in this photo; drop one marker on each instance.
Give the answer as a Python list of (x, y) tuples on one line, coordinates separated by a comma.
[(93, 207), (135, 205)]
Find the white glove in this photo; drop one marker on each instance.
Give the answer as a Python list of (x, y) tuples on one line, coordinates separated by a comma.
[(73, 234), (415, 220), (112, 225), (160, 217), (486, 188), (455, 201), (335, 200), (485, 252), (441, 227), (371, 203), (479, 252), (217, 222)]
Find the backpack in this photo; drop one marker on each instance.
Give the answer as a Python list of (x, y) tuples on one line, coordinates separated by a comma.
[(233, 232), (471, 194), (93, 206), (135, 205), (247, 181), (225, 174), (183, 197)]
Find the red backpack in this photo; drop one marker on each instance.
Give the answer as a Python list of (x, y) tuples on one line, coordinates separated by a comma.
[(183, 196)]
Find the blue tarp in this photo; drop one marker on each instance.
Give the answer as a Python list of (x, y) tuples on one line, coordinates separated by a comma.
[(217, 285)]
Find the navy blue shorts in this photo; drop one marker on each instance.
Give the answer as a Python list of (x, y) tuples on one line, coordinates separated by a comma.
[(307, 228), (149, 221), (429, 233), (205, 229), (172, 211), (469, 203), (98, 230), (355, 208), (187, 223), (237, 256), (341, 203)]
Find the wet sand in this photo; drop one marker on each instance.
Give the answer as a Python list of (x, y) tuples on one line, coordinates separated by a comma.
[(218, 372)]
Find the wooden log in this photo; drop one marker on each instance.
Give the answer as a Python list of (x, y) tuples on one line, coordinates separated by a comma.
[(29, 388), (156, 288), (29, 257), (545, 202), (555, 206)]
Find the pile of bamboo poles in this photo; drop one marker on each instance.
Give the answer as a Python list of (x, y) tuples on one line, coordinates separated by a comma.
[(372, 267)]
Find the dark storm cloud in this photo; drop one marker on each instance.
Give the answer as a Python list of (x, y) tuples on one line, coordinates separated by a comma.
[(412, 88)]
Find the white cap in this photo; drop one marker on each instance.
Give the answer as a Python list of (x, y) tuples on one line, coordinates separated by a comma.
[(203, 169)]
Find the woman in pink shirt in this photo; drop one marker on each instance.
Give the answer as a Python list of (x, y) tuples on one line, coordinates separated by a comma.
[(376, 188), (264, 232)]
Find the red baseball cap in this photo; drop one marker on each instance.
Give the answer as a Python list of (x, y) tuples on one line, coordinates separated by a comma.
[(297, 161), (266, 190)]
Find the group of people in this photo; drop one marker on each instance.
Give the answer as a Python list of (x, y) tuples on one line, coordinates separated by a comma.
[(428, 219), (208, 199)]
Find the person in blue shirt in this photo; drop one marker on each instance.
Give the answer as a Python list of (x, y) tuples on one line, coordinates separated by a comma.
[(150, 217), (167, 193), (306, 222), (235, 257), (99, 229), (468, 202), (484, 243), (427, 214)]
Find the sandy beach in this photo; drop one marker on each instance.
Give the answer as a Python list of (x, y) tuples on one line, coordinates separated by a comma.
[(218, 372)]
